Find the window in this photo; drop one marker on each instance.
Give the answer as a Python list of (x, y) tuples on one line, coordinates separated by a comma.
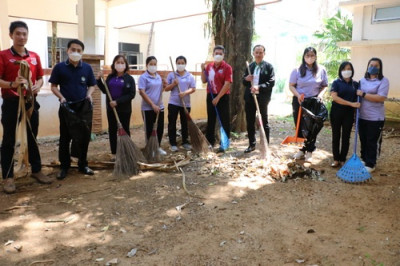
[(386, 13), (61, 50), (132, 53)]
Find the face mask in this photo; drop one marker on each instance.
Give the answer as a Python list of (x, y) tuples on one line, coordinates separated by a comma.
[(180, 67), (152, 69), (346, 73), (74, 56), (218, 58), (373, 70), (120, 67), (309, 60)]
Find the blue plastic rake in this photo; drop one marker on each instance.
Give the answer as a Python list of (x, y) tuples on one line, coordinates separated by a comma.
[(354, 171), (224, 137)]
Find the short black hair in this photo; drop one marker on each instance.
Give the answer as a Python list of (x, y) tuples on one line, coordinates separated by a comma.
[(148, 59), (17, 24), (76, 41), (181, 57), (259, 45), (380, 74), (219, 47), (342, 66)]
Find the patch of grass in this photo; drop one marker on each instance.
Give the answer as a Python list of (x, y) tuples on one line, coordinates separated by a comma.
[(288, 118), (372, 261), (361, 229)]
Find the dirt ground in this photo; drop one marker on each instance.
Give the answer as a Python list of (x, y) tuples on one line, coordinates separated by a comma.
[(239, 217)]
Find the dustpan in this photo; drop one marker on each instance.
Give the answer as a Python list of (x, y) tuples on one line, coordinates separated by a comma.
[(295, 140), (354, 171)]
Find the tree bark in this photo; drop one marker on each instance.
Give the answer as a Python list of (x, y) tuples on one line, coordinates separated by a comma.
[(232, 22)]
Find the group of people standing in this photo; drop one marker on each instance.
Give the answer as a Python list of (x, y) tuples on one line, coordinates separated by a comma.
[(73, 83)]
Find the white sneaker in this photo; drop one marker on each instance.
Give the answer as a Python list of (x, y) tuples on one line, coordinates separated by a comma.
[(187, 146), (161, 151), (308, 157), (174, 148), (362, 162), (299, 155), (370, 169)]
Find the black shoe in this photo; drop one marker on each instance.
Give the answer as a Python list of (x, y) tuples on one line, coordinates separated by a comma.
[(250, 149), (62, 174), (86, 170), (220, 150)]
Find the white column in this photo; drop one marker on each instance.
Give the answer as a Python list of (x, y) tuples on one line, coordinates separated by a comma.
[(111, 38), (358, 20), (5, 23), (86, 25)]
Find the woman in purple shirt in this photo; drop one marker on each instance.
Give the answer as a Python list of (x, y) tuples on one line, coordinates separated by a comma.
[(374, 89), (150, 88), (310, 80), (187, 85), (122, 89)]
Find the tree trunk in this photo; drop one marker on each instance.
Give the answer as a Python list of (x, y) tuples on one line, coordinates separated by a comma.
[(232, 22), (53, 44)]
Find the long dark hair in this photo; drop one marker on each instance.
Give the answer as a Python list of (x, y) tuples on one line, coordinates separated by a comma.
[(380, 74), (342, 66), (113, 70), (303, 66)]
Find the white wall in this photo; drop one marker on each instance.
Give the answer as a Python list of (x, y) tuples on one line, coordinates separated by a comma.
[(379, 30)]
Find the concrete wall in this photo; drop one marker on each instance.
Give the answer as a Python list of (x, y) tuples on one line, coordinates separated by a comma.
[(378, 30)]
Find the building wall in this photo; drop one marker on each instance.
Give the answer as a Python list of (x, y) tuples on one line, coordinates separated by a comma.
[(378, 30)]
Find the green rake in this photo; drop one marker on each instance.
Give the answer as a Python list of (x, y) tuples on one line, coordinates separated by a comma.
[(354, 171)]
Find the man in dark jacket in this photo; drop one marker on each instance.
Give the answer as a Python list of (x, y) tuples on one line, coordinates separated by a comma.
[(260, 81)]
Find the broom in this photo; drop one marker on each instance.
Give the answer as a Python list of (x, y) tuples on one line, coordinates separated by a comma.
[(152, 149), (128, 154), (224, 137), (197, 138), (263, 137), (354, 171)]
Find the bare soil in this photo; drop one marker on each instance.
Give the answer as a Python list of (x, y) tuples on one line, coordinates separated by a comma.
[(237, 217)]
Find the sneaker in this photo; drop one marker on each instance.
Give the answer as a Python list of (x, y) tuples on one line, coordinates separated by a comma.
[(299, 155), (42, 178), (308, 157), (161, 151), (370, 169), (335, 164), (174, 148), (187, 146), (9, 186), (362, 162)]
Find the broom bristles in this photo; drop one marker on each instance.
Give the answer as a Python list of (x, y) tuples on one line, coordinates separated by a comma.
[(151, 151), (127, 157), (197, 138), (263, 140)]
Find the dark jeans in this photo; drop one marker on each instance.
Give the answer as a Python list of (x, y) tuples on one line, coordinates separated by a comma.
[(173, 111), (223, 110), (9, 121), (77, 128), (342, 120), (149, 118), (370, 133), (125, 118), (308, 146), (251, 109)]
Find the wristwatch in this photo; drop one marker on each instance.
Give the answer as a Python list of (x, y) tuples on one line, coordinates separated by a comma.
[(363, 95)]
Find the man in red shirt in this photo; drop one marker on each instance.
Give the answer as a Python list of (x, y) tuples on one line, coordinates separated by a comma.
[(218, 76), (10, 79)]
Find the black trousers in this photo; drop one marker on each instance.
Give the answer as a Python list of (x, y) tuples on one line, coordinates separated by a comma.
[(251, 109), (9, 111), (173, 111), (76, 127), (308, 146), (125, 118), (370, 133), (224, 113), (342, 120), (149, 118)]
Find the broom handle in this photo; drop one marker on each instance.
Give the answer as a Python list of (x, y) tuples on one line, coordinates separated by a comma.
[(109, 97), (356, 131), (179, 87), (254, 95)]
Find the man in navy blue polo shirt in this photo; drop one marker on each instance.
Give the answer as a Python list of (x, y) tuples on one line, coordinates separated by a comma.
[(76, 81)]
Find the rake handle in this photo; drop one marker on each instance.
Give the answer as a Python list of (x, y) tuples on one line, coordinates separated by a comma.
[(298, 118), (356, 130)]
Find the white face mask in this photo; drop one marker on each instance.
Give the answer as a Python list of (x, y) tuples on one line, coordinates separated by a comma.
[(152, 69), (180, 67), (346, 74), (74, 56), (218, 58), (120, 67)]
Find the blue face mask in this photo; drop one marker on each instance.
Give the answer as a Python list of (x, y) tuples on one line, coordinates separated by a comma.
[(373, 70)]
